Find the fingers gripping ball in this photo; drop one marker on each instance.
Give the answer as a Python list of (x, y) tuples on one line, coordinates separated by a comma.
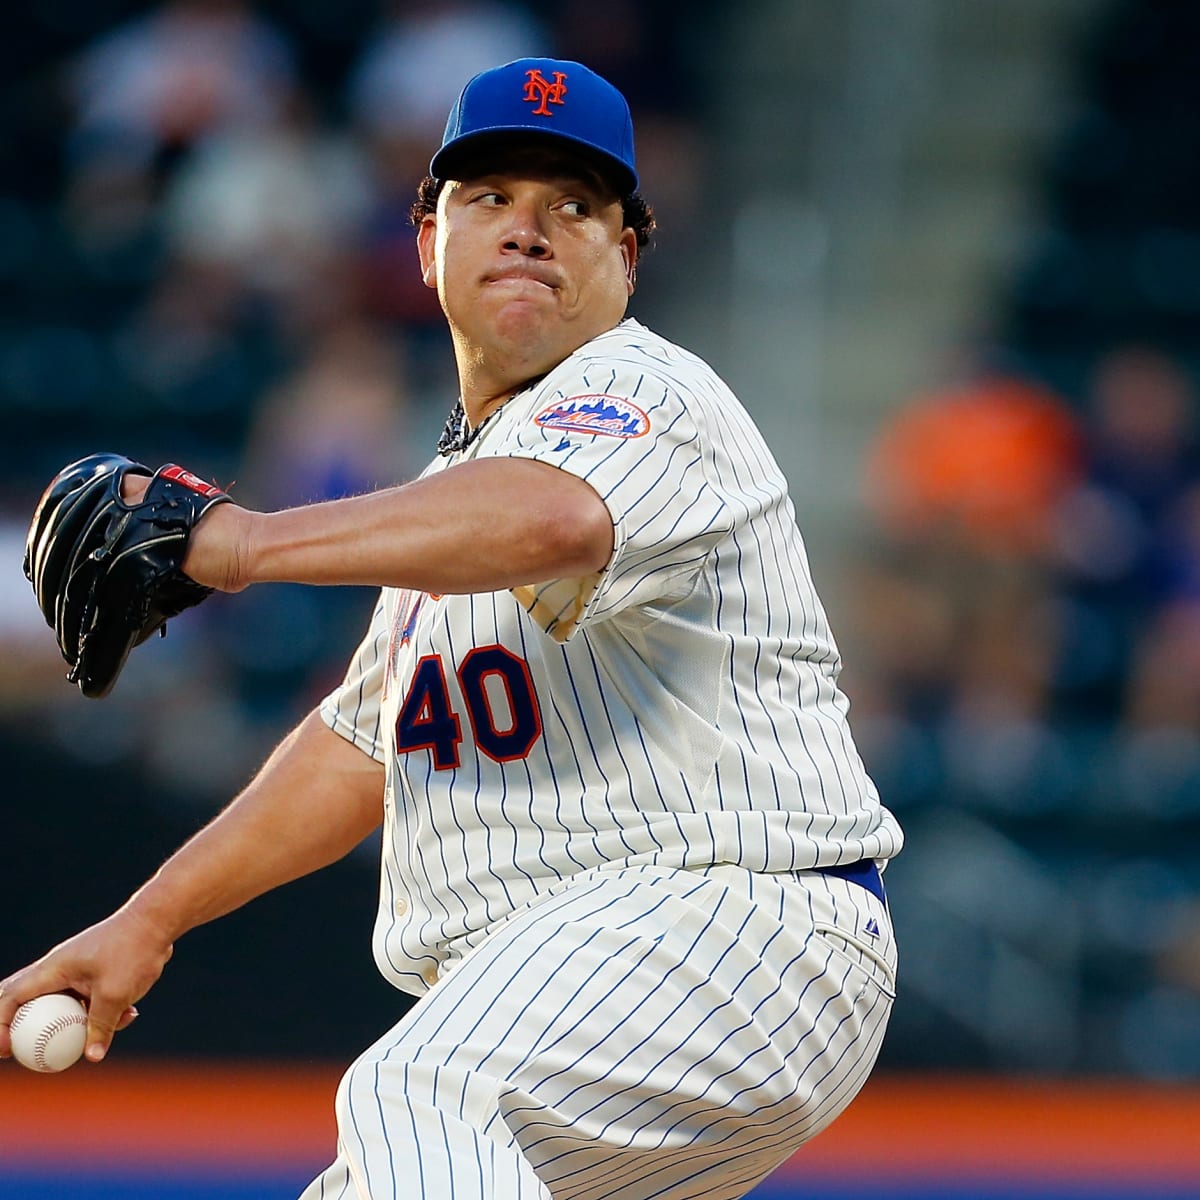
[(49, 1032), (107, 574)]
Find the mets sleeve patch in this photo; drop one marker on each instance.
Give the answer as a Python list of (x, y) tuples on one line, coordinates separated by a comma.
[(595, 412)]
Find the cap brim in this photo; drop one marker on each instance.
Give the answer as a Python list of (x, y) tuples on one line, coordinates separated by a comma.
[(471, 151)]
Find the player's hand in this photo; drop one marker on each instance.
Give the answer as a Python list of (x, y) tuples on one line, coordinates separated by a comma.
[(110, 966), (218, 548)]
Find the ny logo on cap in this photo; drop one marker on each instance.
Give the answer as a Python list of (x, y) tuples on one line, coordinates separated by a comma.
[(541, 91)]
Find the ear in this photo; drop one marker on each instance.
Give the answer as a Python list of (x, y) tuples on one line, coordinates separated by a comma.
[(629, 255), (426, 240)]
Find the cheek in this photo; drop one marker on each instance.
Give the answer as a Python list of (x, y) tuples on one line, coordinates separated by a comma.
[(450, 274), (607, 275), (453, 250)]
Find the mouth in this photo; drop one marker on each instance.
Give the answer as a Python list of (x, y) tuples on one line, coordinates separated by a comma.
[(522, 280)]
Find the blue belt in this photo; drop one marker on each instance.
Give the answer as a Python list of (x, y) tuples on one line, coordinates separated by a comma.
[(864, 873)]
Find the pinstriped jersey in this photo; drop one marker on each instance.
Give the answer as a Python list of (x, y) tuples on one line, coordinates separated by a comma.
[(680, 707)]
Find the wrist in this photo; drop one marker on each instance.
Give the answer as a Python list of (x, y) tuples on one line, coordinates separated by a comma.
[(220, 551), (156, 914)]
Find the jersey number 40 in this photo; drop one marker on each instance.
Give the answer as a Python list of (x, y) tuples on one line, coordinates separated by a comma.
[(490, 679)]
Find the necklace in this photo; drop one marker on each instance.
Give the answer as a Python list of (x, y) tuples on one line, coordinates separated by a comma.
[(457, 434)]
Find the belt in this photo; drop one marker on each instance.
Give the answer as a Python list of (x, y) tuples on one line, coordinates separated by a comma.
[(864, 873)]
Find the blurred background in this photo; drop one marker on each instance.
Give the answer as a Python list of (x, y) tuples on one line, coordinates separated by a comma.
[(948, 254)]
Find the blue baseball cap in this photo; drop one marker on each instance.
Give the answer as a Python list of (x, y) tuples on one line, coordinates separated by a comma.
[(542, 97)]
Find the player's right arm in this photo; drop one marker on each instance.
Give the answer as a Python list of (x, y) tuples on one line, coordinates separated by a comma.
[(314, 800)]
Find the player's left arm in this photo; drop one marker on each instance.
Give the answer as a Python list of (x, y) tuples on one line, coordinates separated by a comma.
[(485, 525)]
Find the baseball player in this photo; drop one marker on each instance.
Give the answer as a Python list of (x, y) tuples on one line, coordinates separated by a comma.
[(630, 855)]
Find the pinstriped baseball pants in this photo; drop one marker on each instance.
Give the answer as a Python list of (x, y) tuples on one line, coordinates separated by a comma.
[(635, 1033)]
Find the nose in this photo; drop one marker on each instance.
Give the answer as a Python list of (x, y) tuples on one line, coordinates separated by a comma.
[(526, 233)]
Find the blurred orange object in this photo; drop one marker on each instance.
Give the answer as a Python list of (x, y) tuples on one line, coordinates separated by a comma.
[(986, 462)]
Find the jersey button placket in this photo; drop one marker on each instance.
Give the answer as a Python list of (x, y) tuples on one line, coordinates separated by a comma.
[(400, 907)]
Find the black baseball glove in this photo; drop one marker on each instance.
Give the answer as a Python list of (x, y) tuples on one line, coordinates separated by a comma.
[(108, 574)]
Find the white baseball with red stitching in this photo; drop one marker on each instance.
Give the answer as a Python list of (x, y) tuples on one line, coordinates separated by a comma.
[(49, 1032)]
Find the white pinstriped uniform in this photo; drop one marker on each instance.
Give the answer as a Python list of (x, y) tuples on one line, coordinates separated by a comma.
[(606, 800)]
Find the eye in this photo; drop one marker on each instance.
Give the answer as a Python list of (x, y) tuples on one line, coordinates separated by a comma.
[(575, 208), (488, 199)]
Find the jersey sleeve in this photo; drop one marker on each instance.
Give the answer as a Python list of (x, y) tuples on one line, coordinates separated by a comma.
[(638, 445), (353, 708)]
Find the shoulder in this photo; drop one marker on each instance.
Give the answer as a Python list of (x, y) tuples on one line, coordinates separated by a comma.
[(628, 375), (632, 346)]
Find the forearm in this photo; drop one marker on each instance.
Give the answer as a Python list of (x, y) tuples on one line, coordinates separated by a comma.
[(481, 526), (313, 801)]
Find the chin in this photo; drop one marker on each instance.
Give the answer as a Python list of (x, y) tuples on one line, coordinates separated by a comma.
[(530, 327)]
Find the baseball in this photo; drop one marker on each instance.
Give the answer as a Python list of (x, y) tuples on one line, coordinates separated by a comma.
[(49, 1032)]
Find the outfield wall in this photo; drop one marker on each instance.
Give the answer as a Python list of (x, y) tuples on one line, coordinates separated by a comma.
[(188, 1131)]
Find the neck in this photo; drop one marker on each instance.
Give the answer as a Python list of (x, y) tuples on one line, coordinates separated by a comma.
[(484, 386), (479, 412), (488, 378)]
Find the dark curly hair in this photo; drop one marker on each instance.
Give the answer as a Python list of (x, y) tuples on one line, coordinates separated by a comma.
[(635, 211)]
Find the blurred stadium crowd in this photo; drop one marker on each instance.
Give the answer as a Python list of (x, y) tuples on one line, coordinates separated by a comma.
[(1029, 694), (205, 256)]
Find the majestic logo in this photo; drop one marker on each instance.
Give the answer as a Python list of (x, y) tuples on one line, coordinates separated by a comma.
[(595, 413), (540, 91)]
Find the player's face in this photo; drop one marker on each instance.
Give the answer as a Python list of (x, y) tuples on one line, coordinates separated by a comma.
[(531, 260)]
